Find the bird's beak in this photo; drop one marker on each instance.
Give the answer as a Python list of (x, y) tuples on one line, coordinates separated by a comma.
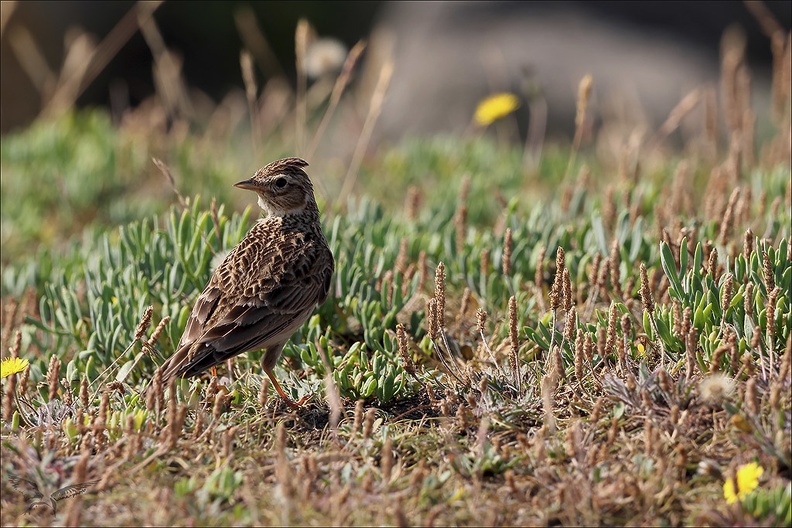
[(246, 184)]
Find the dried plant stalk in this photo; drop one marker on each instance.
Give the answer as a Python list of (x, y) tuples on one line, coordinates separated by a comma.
[(514, 344), (506, 260), (440, 295)]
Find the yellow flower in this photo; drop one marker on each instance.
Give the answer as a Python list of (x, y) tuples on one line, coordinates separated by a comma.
[(747, 481), (495, 107), (12, 366)]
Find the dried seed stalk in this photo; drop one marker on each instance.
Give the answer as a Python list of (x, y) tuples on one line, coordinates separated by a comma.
[(507, 253), (404, 351), (145, 321), (514, 344), (53, 373), (440, 295)]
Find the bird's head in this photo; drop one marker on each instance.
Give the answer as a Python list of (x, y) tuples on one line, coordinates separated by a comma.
[(283, 187)]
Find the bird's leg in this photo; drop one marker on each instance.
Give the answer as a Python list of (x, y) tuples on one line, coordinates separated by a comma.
[(282, 394)]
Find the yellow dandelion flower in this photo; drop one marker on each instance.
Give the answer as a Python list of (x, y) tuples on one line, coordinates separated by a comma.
[(495, 107), (747, 481), (12, 366)]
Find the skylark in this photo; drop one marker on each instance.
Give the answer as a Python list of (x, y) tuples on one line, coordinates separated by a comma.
[(267, 286)]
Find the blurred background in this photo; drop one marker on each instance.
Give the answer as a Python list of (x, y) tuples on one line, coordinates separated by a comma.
[(643, 56)]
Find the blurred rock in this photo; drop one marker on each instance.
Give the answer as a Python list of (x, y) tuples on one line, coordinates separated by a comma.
[(643, 56)]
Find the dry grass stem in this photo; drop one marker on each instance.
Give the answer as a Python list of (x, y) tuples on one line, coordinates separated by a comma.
[(79, 73), (254, 40), (465, 304), (165, 170), (251, 94), (686, 105), (728, 216), (581, 122), (375, 107), (335, 96), (302, 34), (514, 344)]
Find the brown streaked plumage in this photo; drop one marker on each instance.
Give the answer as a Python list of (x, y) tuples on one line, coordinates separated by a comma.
[(267, 286)]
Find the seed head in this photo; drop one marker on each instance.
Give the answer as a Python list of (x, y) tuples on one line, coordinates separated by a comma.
[(148, 346), (615, 271), (440, 294), (748, 299), (751, 397), (770, 309), (460, 224), (713, 263), (368, 424), (484, 263), (423, 270), (52, 376), (728, 216), (728, 291), (588, 347), (145, 321), (646, 292), (412, 202), (404, 351), (604, 271), (611, 339), (514, 342), (402, 258), (557, 290), (481, 320), (507, 252), (569, 295), (748, 245), (431, 317), (595, 265), (569, 323), (769, 276), (465, 302), (717, 357), (358, 421), (539, 275)]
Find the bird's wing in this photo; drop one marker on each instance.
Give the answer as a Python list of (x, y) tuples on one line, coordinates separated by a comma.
[(71, 491), (26, 487), (240, 311), (228, 281)]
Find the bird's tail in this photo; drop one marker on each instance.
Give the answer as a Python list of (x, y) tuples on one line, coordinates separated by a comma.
[(174, 367)]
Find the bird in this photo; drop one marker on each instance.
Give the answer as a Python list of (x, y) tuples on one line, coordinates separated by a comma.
[(31, 491), (267, 286)]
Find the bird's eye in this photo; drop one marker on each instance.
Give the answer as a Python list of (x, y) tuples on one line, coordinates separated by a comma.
[(280, 183)]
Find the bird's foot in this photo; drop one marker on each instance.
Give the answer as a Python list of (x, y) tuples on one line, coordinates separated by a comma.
[(295, 405)]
